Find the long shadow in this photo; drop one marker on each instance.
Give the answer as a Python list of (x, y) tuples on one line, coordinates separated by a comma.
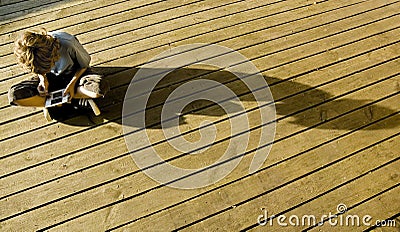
[(311, 104)]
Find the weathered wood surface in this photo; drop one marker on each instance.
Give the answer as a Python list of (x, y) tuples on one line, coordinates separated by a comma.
[(332, 67)]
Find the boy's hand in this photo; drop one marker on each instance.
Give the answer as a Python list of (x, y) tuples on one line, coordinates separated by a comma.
[(43, 86), (70, 89)]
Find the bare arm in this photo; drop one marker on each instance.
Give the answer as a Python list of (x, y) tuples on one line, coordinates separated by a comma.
[(43, 85), (70, 89)]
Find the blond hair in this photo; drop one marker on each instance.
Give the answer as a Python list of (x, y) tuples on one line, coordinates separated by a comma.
[(37, 51)]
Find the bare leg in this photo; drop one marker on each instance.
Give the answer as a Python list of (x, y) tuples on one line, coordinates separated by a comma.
[(35, 101), (84, 93)]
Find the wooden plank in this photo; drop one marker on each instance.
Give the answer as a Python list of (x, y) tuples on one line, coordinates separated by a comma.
[(106, 17), (291, 130), (329, 181), (125, 37), (35, 181), (142, 20), (50, 132), (90, 179), (24, 111), (378, 207), (25, 9), (215, 37), (76, 14), (290, 54), (200, 206), (387, 224)]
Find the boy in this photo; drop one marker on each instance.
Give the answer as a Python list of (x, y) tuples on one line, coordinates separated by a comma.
[(58, 61)]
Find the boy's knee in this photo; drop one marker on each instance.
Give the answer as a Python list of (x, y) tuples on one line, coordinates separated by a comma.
[(35, 101), (23, 90)]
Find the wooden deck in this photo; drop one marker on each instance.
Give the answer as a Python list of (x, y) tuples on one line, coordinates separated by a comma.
[(332, 67)]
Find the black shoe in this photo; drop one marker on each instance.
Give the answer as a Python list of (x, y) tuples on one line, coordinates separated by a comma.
[(87, 104)]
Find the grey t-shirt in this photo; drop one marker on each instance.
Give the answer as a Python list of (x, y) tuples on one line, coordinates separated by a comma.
[(72, 55)]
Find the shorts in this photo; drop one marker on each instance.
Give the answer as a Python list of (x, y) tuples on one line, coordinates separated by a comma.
[(89, 80)]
